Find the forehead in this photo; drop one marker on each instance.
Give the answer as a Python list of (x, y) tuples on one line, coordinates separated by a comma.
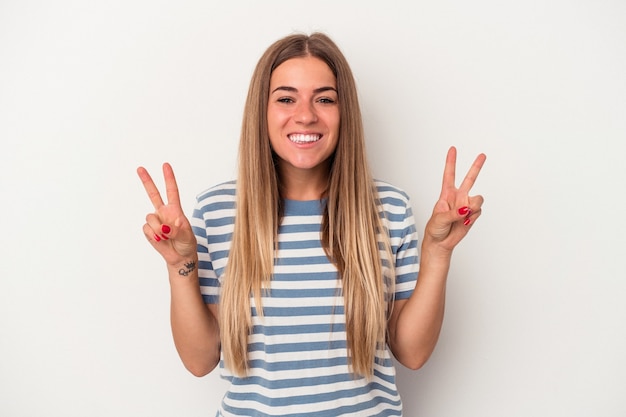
[(302, 73)]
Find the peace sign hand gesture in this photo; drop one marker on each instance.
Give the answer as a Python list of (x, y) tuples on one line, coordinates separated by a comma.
[(455, 211), (167, 229)]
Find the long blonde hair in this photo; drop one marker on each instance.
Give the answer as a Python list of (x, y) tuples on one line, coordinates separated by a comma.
[(352, 229)]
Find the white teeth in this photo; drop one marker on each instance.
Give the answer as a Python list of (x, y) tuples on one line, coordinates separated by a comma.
[(304, 138)]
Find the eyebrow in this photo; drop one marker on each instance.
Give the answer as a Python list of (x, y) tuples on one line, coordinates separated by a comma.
[(295, 90)]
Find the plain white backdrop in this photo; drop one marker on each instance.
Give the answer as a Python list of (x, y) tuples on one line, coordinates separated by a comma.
[(536, 318)]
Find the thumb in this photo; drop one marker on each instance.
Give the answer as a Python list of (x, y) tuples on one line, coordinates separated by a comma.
[(441, 207), (181, 229)]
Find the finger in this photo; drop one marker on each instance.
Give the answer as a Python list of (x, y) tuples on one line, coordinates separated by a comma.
[(151, 189), (171, 187), (476, 202), (473, 205), (473, 211), (471, 218), (449, 171), (152, 237), (158, 229), (472, 174)]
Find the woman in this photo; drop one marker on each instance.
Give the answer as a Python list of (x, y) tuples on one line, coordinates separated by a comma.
[(300, 278)]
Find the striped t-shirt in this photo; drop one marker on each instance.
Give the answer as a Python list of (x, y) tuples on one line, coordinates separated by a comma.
[(297, 352)]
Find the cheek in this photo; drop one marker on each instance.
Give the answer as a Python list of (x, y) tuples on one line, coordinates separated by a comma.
[(277, 115), (334, 122)]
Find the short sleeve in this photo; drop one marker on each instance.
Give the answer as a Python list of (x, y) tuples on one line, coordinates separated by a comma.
[(212, 223), (400, 222)]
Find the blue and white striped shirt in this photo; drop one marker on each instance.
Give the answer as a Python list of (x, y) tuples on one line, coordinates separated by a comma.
[(297, 351)]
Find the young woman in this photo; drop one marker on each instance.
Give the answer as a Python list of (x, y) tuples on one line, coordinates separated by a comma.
[(300, 277)]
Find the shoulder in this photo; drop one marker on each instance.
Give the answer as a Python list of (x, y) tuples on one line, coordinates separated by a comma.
[(391, 195), (221, 192), (219, 198)]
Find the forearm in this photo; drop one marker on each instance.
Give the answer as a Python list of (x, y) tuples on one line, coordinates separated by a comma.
[(194, 326), (416, 325)]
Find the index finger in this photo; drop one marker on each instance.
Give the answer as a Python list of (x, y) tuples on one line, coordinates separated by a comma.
[(171, 187), (151, 189), (449, 171), (472, 174)]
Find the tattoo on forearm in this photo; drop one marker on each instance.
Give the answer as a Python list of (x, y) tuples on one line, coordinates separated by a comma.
[(188, 269)]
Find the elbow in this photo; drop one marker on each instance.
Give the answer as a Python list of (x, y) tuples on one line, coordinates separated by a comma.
[(413, 360), (199, 370), (198, 373), (415, 363)]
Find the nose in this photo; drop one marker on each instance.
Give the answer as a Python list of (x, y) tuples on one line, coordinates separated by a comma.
[(305, 113)]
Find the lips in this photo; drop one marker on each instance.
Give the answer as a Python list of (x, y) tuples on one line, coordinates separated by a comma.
[(304, 138)]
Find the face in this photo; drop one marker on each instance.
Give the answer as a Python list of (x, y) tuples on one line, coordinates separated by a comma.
[(303, 116)]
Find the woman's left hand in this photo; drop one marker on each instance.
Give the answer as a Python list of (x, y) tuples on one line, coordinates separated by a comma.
[(456, 211)]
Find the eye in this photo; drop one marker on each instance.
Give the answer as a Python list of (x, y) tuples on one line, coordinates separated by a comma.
[(285, 100), (326, 100)]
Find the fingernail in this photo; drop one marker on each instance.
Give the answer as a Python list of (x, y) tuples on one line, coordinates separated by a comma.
[(157, 238), (467, 221), (165, 229), (464, 211), (164, 237)]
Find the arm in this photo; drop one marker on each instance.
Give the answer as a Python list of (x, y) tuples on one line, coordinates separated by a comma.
[(194, 324), (415, 323)]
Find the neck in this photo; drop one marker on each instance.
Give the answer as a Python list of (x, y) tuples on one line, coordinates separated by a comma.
[(303, 185)]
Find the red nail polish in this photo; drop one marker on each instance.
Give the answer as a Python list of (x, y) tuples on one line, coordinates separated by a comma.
[(157, 238), (464, 211), (467, 221), (164, 237), (165, 229)]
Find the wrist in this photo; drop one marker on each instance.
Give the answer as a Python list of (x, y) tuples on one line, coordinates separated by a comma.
[(184, 269), (434, 264), (434, 252)]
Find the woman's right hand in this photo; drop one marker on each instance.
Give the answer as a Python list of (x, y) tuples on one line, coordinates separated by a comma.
[(167, 229)]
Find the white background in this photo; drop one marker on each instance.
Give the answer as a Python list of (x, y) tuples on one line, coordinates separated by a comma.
[(89, 90)]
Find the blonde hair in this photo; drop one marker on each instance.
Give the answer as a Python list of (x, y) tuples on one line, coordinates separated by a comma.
[(352, 229)]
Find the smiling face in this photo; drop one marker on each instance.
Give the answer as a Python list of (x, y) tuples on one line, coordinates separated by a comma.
[(303, 118)]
